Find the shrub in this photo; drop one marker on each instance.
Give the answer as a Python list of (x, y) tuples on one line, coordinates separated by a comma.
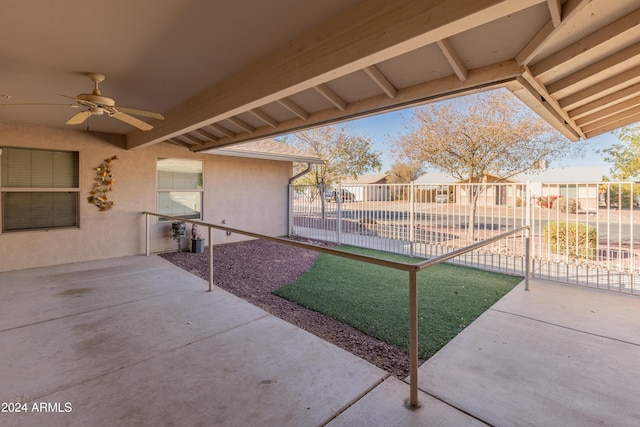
[(571, 238), (564, 204)]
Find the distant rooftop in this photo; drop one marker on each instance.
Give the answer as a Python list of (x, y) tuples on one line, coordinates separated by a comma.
[(267, 149), (556, 175), (379, 178)]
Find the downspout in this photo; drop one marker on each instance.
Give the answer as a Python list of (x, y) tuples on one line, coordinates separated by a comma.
[(290, 196)]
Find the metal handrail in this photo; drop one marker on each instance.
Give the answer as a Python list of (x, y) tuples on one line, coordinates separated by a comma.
[(413, 269)]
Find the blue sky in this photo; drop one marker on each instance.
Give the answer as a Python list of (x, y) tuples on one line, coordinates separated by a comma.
[(379, 127)]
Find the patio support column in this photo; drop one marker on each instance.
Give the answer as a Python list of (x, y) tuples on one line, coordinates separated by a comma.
[(413, 402), (210, 259)]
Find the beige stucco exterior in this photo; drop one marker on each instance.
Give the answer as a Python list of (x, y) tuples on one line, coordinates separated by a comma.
[(247, 193)]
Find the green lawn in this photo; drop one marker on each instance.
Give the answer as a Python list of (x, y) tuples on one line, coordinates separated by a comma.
[(375, 299)]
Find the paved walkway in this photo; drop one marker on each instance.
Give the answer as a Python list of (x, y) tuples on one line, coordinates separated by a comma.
[(137, 340)]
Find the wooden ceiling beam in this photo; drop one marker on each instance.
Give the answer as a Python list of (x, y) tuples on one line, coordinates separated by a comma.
[(609, 111), (208, 135), (221, 129), (241, 124), (331, 96), (527, 94), (453, 58), (381, 81), (613, 118), (614, 125), (613, 98), (541, 90), (603, 88), (261, 115), (619, 60), (192, 139), (595, 40), (485, 78), (178, 142), (555, 11), (548, 31), (294, 108)]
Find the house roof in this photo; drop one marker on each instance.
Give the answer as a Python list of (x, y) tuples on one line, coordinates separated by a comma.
[(230, 72), (564, 175), (268, 149), (556, 175), (366, 179), (435, 178)]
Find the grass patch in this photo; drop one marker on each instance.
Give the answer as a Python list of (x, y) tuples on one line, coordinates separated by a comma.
[(375, 299)]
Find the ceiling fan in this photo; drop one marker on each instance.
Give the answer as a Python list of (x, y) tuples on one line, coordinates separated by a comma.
[(97, 104)]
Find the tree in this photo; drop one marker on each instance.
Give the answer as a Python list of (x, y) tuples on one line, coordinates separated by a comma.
[(344, 153), (403, 172), (488, 133), (625, 156)]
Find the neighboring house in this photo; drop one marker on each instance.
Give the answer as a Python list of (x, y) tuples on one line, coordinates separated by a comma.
[(562, 182), (47, 175), (575, 182), (366, 188)]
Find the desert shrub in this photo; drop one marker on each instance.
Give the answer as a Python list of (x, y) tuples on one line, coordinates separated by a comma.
[(571, 238), (564, 204)]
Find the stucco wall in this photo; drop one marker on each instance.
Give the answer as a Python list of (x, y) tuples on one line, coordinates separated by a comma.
[(246, 193)]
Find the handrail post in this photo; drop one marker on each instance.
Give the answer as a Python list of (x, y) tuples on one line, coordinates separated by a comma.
[(147, 234), (413, 402), (527, 239), (527, 260), (210, 259)]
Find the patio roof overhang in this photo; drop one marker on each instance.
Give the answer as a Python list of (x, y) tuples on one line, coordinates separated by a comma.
[(262, 71)]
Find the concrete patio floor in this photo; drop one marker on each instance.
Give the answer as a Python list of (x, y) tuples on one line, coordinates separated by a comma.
[(138, 341)]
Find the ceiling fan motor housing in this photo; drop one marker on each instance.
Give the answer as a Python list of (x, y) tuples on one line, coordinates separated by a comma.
[(98, 100)]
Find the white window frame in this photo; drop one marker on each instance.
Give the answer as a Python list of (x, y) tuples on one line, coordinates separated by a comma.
[(182, 185)]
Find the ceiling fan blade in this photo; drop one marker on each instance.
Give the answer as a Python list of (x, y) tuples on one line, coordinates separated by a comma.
[(40, 104), (142, 113), (131, 120), (67, 96), (79, 118)]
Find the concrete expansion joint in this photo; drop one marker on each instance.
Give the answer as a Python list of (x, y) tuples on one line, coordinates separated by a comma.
[(457, 408), (357, 398), (566, 327)]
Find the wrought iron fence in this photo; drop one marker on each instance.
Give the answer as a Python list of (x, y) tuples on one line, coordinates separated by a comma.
[(582, 233)]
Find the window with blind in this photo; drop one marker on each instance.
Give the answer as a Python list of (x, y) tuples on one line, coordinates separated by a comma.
[(180, 188), (40, 189)]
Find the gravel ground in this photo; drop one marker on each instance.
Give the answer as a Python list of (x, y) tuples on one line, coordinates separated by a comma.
[(252, 270)]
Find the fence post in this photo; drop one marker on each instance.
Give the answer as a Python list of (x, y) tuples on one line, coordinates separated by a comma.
[(210, 259), (339, 202), (413, 401), (412, 221), (290, 214)]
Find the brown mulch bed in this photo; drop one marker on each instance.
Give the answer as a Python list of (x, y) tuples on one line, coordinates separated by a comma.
[(252, 270)]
